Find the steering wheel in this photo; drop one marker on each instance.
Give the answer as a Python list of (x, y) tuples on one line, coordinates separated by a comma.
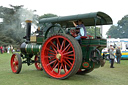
[(73, 32)]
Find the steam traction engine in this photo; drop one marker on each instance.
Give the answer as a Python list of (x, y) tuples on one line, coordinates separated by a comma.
[(57, 52)]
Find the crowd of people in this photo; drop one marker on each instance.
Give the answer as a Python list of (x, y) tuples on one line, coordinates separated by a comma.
[(112, 57), (6, 49)]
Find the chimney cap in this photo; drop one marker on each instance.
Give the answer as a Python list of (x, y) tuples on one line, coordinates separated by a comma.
[(28, 21)]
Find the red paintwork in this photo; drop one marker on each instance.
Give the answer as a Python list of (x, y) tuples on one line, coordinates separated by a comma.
[(14, 63), (54, 66)]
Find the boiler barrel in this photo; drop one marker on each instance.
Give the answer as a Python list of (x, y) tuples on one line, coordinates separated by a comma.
[(30, 48)]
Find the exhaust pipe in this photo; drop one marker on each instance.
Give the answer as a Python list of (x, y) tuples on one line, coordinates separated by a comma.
[(28, 30)]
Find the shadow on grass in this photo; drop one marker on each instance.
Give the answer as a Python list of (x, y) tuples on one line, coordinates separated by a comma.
[(42, 74)]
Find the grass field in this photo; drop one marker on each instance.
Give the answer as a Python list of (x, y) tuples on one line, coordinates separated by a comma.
[(30, 76)]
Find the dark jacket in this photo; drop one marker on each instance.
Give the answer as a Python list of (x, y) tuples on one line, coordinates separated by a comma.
[(118, 52)]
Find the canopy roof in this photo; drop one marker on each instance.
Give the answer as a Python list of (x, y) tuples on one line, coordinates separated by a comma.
[(89, 19)]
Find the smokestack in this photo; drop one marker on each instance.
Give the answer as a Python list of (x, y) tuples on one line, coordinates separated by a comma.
[(28, 30)]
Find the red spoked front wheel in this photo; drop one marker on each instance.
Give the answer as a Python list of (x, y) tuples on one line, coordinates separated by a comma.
[(16, 63), (61, 56), (37, 63)]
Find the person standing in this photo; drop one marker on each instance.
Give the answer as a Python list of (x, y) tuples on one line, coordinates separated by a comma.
[(1, 49), (112, 56), (11, 48), (8, 50), (118, 55)]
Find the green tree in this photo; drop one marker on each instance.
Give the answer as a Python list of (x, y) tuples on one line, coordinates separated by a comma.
[(47, 16), (13, 26), (46, 24), (91, 31), (121, 30)]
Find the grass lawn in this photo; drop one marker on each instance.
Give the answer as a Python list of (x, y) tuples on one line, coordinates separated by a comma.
[(30, 76)]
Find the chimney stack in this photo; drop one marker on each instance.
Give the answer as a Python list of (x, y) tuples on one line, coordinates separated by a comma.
[(28, 29)]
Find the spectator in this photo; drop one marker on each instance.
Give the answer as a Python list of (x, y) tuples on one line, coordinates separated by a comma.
[(1, 49), (11, 48), (112, 56), (8, 50), (118, 55)]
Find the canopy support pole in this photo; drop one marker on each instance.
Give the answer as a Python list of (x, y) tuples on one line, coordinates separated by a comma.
[(95, 19)]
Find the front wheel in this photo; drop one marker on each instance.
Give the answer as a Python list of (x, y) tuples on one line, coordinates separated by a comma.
[(61, 56), (16, 63), (37, 63)]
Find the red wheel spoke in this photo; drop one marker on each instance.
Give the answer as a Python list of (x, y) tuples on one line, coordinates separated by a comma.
[(57, 47), (62, 44), (52, 59), (69, 62), (48, 56), (54, 67), (52, 53), (50, 50), (70, 55), (65, 68), (54, 64), (16, 67), (58, 42), (15, 59), (69, 58), (68, 52), (66, 48), (66, 63), (51, 62), (16, 63), (58, 66), (53, 44), (60, 69), (54, 49)]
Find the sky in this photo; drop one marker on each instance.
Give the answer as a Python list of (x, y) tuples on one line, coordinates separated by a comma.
[(116, 9)]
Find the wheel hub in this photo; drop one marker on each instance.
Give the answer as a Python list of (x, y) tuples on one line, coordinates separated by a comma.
[(58, 56), (14, 63)]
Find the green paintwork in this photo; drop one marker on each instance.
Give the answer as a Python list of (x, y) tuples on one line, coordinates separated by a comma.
[(54, 29), (89, 19), (87, 46), (40, 40), (32, 49), (96, 42)]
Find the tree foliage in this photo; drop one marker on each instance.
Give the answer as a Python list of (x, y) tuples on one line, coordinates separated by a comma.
[(12, 29), (46, 24), (121, 30), (47, 16), (91, 31)]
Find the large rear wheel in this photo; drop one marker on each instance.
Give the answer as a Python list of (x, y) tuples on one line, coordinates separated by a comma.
[(60, 57), (16, 63)]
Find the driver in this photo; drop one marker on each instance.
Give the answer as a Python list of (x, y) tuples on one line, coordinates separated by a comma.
[(80, 29)]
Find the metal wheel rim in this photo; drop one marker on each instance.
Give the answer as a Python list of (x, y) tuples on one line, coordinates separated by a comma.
[(37, 64), (14, 63), (59, 48)]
